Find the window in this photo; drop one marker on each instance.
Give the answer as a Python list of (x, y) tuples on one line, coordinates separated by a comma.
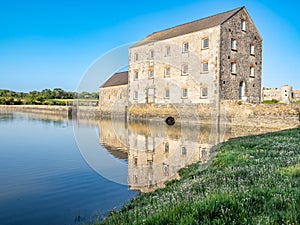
[(151, 73), (167, 147), (135, 161), (135, 179), (135, 95), (233, 44), (203, 154), (183, 151), (251, 49), (150, 163), (136, 74), (243, 25), (184, 93), (185, 47), (136, 57), (151, 54), (203, 92), (151, 92), (167, 93), (167, 71), (168, 50), (205, 43), (204, 67), (184, 69), (252, 71), (233, 67)]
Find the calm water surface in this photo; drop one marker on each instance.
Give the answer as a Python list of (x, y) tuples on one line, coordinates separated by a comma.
[(45, 180), (55, 171)]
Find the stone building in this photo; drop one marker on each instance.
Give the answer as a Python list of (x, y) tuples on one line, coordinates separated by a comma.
[(204, 61), (201, 62), (296, 95), (113, 94), (284, 94)]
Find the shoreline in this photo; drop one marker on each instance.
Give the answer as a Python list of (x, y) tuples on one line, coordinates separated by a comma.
[(252, 180), (233, 114)]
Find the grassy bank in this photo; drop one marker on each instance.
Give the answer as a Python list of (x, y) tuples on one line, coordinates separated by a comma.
[(253, 180)]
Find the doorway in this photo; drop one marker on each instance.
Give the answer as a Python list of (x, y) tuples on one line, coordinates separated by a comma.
[(242, 88)]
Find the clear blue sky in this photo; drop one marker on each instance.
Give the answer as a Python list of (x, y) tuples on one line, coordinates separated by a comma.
[(47, 44)]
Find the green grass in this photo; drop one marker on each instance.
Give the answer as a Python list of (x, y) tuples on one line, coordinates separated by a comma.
[(273, 101), (253, 180)]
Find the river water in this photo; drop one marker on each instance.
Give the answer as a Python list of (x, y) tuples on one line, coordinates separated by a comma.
[(58, 171)]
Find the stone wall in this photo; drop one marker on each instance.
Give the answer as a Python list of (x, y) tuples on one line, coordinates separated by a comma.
[(296, 95), (153, 89), (229, 112), (282, 94), (231, 82), (263, 115), (81, 112), (113, 100)]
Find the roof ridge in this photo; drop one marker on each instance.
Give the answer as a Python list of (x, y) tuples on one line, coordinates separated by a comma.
[(238, 9), (184, 24)]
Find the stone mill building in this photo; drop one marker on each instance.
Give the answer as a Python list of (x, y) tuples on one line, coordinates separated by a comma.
[(204, 61)]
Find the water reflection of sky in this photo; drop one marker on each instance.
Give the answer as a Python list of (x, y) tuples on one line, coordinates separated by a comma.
[(53, 169), (44, 179)]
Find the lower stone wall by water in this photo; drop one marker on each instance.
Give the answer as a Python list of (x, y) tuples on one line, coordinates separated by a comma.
[(263, 115), (228, 112), (82, 112)]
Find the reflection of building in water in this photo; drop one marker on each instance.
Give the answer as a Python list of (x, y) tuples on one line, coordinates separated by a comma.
[(114, 137), (157, 151)]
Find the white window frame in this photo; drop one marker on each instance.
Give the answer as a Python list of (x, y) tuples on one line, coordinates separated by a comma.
[(184, 92), (136, 75), (135, 95), (252, 71), (243, 25), (167, 93), (136, 57), (204, 67), (183, 151), (233, 44), (168, 50), (205, 43), (166, 147), (204, 92), (252, 49), (233, 67), (151, 54), (185, 47), (184, 69), (151, 73), (167, 71)]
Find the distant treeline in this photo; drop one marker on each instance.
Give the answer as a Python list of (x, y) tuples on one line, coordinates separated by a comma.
[(57, 96)]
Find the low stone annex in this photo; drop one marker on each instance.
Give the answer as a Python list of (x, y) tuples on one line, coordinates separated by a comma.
[(201, 62), (284, 94)]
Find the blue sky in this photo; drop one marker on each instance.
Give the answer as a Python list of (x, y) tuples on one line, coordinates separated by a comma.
[(48, 44)]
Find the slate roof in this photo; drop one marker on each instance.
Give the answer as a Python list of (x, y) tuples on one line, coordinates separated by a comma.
[(117, 79), (190, 27)]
